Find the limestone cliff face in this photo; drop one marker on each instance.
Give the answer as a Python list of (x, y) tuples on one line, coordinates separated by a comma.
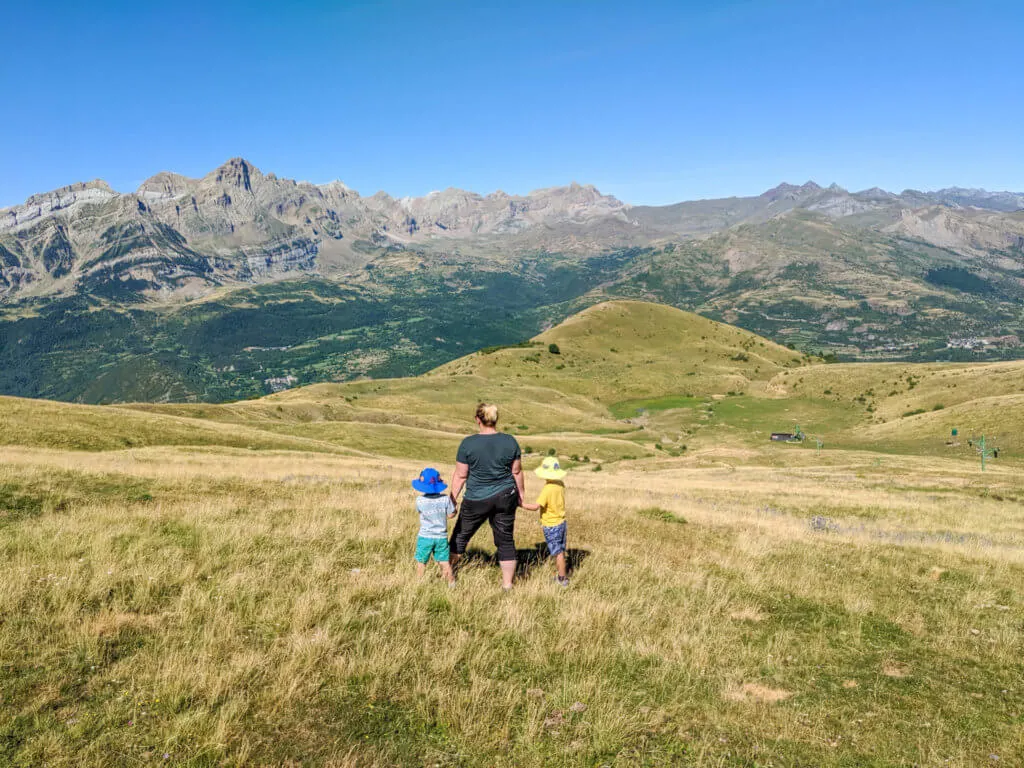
[(970, 231), (180, 235), (176, 236)]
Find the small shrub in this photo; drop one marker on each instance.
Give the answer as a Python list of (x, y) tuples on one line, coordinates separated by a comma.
[(528, 449), (560, 366), (914, 412), (657, 513), (597, 468), (658, 447), (552, 451), (740, 357), (575, 457), (938, 407), (827, 392), (554, 350), (586, 459)]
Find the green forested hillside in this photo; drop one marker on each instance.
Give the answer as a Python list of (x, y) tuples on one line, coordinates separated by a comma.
[(837, 288)]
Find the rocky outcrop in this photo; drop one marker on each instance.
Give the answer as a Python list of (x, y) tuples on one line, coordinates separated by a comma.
[(237, 224), (50, 204)]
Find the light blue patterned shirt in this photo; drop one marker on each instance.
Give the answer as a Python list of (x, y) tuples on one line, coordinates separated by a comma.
[(434, 509)]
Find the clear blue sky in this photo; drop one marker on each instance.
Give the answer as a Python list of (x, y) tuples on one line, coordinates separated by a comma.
[(653, 102)]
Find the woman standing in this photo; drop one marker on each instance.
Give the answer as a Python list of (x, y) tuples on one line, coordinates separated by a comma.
[(489, 465)]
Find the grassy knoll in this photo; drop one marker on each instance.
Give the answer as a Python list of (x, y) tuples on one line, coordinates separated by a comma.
[(632, 349)]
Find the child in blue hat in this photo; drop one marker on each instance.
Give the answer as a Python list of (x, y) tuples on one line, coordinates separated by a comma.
[(435, 507)]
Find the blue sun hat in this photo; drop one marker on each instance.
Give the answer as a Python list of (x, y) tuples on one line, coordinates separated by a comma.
[(429, 481)]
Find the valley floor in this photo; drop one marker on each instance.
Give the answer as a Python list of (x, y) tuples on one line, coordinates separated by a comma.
[(215, 605)]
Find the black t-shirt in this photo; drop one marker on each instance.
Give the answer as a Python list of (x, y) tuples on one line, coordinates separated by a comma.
[(490, 459)]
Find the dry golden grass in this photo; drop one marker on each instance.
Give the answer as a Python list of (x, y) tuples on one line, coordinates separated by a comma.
[(233, 585), (234, 607)]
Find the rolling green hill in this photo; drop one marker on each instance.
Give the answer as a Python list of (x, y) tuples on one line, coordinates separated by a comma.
[(619, 380)]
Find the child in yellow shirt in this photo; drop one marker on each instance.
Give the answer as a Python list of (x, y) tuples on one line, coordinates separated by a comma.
[(551, 505)]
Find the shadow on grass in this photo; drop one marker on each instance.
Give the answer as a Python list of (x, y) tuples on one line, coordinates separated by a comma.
[(527, 560)]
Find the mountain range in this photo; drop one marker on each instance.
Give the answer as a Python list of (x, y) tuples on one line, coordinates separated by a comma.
[(242, 282)]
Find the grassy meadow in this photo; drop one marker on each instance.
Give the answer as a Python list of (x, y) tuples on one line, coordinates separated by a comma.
[(233, 585)]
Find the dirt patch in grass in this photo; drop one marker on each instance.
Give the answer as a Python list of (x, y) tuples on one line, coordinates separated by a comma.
[(748, 614), (895, 669), (756, 693)]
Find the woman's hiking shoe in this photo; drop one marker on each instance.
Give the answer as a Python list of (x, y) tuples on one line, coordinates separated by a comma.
[(562, 582)]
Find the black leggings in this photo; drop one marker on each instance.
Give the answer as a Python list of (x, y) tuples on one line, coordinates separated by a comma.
[(500, 511)]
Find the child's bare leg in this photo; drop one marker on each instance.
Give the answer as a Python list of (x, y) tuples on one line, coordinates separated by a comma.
[(420, 568), (447, 573), (560, 565)]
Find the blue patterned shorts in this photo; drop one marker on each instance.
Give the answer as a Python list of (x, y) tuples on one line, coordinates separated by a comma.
[(555, 537)]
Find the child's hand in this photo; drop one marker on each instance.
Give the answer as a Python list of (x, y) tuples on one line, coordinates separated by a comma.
[(531, 507)]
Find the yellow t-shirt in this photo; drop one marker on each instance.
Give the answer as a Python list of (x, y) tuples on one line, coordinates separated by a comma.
[(552, 504)]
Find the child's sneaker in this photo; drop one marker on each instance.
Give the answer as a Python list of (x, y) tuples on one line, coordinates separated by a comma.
[(562, 582)]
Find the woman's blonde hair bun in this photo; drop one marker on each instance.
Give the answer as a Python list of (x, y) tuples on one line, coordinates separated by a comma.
[(487, 413)]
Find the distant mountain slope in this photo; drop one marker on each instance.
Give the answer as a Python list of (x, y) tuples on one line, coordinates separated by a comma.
[(179, 237), (241, 283)]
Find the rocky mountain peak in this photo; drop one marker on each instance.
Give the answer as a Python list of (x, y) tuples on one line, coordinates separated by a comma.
[(236, 172), (50, 203), (787, 191), (164, 185), (577, 194), (979, 198), (876, 193), (98, 185)]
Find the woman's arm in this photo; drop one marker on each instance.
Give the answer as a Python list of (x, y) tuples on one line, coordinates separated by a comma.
[(459, 479), (517, 474)]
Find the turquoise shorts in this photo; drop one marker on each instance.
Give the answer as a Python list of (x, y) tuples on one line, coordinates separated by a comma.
[(427, 547)]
